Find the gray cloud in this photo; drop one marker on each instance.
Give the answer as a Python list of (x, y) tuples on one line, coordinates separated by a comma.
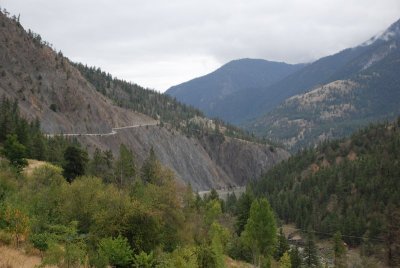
[(160, 43)]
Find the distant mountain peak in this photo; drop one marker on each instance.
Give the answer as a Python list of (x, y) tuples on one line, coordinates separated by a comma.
[(223, 93), (391, 33), (395, 28)]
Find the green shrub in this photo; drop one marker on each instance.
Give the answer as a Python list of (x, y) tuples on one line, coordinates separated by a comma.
[(5, 237), (116, 250), (144, 260), (39, 241)]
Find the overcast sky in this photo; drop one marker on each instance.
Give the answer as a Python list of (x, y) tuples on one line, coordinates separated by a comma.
[(160, 43)]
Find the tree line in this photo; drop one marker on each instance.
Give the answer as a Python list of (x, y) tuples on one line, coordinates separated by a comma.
[(348, 186)]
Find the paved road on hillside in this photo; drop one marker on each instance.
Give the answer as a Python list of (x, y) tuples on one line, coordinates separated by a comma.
[(223, 193), (113, 131)]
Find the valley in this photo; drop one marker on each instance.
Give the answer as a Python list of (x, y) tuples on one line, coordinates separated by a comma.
[(257, 164)]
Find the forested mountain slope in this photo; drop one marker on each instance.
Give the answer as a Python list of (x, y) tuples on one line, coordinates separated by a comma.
[(348, 185), (67, 99)]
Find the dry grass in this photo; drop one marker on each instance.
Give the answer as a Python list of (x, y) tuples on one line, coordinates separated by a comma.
[(13, 258), (231, 263), (32, 164)]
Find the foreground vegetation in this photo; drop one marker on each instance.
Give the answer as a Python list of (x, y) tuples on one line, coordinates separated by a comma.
[(99, 211), (150, 221)]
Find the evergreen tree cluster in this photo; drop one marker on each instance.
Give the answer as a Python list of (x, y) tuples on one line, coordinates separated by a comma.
[(348, 185), (26, 137), (133, 96)]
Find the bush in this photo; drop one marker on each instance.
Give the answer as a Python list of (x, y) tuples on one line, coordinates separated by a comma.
[(15, 152), (206, 256), (53, 107), (39, 241), (116, 250), (181, 258), (238, 250), (5, 237), (144, 260)]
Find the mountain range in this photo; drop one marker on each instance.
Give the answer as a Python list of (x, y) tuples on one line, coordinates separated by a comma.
[(72, 98), (224, 92), (328, 98), (363, 90)]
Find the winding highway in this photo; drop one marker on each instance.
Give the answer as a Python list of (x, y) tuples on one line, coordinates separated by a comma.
[(113, 131)]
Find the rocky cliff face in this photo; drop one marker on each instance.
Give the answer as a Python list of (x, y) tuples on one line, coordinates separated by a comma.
[(214, 161), (240, 159), (185, 156), (51, 89)]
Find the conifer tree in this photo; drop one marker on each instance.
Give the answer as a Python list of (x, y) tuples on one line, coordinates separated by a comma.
[(295, 257), (282, 245), (15, 152), (101, 165), (284, 261), (125, 167), (393, 236), (150, 167), (75, 162), (310, 251), (231, 203), (339, 250), (243, 210), (260, 231)]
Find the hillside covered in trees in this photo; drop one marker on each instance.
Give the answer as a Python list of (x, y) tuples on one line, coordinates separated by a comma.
[(348, 185)]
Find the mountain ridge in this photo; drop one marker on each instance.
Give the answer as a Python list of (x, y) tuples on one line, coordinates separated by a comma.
[(258, 101), (373, 96), (225, 86), (49, 87)]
